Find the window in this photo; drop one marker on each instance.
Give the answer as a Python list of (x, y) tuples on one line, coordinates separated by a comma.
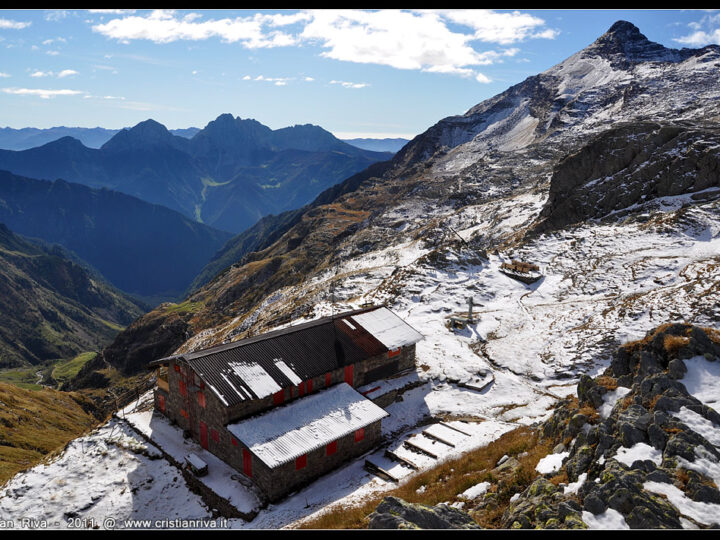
[(331, 448), (177, 368), (349, 374), (247, 462), (301, 462), (183, 388), (394, 352), (183, 413), (359, 434), (301, 389), (161, 402), (279, 397), (214, 435), (201, 399), (328, 379), (233, 440), (309, 386)]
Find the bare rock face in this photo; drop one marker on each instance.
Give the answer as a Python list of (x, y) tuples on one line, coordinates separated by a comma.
[(629, 166)]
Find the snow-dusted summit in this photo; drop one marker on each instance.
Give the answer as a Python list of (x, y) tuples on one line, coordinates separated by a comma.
[(620, 76)]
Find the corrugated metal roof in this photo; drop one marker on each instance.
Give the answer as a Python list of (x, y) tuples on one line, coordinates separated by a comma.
[(285, 433), (387, 328), (257, 367)]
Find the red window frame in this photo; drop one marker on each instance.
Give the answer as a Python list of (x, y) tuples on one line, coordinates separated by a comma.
[(331, 448), (309, 386), (350, 374), (279, 397), (301, 389), (394, 352), (201, 399), (359, 434), (233, 440), (214, 435), (247, 462), (183, 388), (328, 379), (301, 462), (161, 402)]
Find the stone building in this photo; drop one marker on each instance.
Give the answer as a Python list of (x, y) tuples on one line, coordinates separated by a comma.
[(281, 407)]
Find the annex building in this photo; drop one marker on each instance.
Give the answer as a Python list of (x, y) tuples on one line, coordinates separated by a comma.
[(282, 407)]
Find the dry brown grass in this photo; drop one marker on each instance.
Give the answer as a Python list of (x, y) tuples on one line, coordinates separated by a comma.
[(672, 344), (683, 477), (561, 478), (446, 481), (607, 382), (35, 423), (653, 402), (626, 402), (713, 334)]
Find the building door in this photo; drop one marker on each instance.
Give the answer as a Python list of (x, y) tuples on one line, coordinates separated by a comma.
[(203, 435)]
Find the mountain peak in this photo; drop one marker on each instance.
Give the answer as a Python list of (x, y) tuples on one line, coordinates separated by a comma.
[(623, 44), (146, 133), (624, 28)]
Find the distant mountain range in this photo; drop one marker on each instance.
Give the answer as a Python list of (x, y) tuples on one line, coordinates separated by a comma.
[(53, 307), (26, 138), (377, 145), (228, 175), (29, 137), (141, 248)]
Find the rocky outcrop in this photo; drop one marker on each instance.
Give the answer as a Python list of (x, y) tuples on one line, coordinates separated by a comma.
[(394, 513), (625, 168), (651, 371)]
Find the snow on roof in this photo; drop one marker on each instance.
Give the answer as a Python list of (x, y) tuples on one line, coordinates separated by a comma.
[(260, 381), (195, 461), (285, 433), (289, 373), (388, 328)]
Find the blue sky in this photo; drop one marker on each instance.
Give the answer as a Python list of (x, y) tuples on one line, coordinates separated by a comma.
[(386, 73)]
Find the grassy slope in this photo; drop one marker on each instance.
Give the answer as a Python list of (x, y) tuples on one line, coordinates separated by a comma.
[(446, 481), (36, 423)]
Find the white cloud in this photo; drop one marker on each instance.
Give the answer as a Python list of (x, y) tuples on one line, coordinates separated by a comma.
[(420, 40), (4, 75), (56, 15), (42, 93), (60, 74), (52, 53), (7, 24), (346, 84), (112, 11), (437, 41), (277, 81), (162, 26), (706, 32), (502, 28), (50, 41), (90, 96)]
